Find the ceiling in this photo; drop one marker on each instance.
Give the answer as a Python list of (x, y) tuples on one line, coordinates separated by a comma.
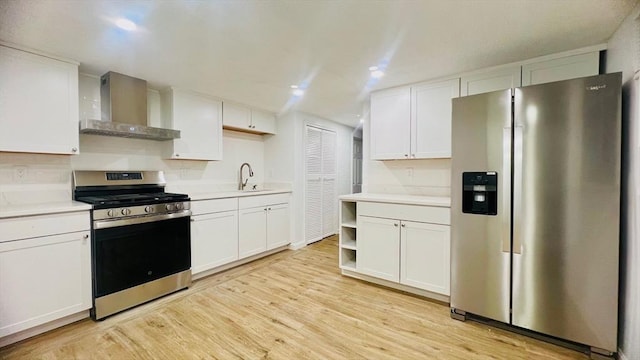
[(252, 51)]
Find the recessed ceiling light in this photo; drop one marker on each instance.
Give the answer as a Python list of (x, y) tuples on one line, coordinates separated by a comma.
[(297, 92), (377, 74), (126, 24), (294, 86), (373, 68), (361, 121)]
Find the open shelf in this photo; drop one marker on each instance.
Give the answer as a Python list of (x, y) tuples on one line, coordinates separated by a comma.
[(348, 237), (347, 259), (348, 212)]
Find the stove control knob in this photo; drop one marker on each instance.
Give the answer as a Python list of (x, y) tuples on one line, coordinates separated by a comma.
[(169, 207), (111, 213), (125, 211), (149, 209), (178, 206)]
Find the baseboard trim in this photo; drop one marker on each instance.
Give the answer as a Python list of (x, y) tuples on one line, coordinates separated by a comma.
[(40, 329), (621, 355)]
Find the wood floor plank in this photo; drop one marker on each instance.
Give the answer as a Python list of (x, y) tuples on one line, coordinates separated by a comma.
[(290, 305)]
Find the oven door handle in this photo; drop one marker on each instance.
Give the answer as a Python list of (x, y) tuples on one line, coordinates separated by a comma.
[(104, 224)]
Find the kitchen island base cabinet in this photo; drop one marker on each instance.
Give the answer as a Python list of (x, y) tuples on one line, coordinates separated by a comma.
[(399, 245), (45, 273), (379, 248)]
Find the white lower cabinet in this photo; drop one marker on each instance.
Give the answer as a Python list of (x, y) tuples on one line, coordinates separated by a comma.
[(253, 231), (404, 244), (214, 240), (425, 256), (263, 223), (43, 278), (379, 248)]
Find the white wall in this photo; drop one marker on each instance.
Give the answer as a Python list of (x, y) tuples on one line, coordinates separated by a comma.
[(623, 54), (285, 162)]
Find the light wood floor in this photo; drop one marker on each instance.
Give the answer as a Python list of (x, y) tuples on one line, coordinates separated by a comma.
[(291, 305)]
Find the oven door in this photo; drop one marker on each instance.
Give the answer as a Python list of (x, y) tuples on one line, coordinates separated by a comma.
[(130, 252)]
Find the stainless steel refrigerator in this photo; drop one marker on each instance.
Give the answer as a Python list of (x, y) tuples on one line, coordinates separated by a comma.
[(535, 208)]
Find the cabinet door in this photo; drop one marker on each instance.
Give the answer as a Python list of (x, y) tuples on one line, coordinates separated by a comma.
[(431, 118), (214, 240), (390, 124), (43, 279), (199, 120), (278, 233), (424, 256), (263, 122), (378, 248), (496, 79), (252, 231), (236, 116), (565, 68), (38, 103)]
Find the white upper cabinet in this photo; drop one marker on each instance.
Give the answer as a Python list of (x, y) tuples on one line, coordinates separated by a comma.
[(431, 118), (391, 124), (563, 68), (38, 103), (413, 122), (238, 117), (199, 119), (495, 79)]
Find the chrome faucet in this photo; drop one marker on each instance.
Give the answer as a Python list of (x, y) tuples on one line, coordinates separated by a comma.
[(244, 183)]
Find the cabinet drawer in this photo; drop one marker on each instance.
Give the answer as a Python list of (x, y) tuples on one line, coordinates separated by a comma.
[(43, 225), (212, 206), (426, 214), (262, 200)]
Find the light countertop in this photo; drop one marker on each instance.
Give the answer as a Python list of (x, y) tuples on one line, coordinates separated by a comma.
[(440, 201), (9, 211), (231, 194)]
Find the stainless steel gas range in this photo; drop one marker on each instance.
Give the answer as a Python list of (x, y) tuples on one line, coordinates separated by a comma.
[(140, 238)]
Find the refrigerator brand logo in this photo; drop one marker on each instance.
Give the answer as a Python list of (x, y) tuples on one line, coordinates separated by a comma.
[(596, 87)]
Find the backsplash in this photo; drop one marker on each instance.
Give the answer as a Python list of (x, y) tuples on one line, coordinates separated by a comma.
[(36, 178), (409, 177)]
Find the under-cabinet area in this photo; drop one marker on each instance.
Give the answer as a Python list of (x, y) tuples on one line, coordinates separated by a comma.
[(397, 241)]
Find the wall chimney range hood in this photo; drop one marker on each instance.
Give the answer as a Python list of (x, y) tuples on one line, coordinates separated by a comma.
[(123, 102)]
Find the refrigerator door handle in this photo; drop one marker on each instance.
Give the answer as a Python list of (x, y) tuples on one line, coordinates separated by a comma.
[(506, 189), (518, 143)]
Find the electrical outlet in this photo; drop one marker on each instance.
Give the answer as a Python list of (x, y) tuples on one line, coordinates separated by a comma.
[(19, 173)]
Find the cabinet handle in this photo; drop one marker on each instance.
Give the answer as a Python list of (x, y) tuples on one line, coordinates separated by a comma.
[(402, 225), (177, 155), (85, 236), (395, 224), (406, 155), (269, 209), (193, 220), (74, 149), (413, 155)]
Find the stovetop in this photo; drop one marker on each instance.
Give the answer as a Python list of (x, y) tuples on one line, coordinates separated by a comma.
[(121, 200)]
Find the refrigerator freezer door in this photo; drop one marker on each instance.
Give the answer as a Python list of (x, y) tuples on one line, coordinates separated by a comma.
[(480, 243), (566, 209)]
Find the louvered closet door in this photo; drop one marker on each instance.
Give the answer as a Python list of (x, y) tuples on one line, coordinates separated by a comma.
[(313, 185), (329, 193), (321, 197)]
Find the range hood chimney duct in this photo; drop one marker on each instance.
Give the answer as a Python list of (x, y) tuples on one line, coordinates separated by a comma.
[(123, 101)]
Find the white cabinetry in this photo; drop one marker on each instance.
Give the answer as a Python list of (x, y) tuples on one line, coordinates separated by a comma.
[(199, 119), (502, 78), (45, 269), (238, 117), (214, 233), (379, 247), (263, 223), (400, 244), (413, 122), (425, 256), (563, 68), (38, 103)]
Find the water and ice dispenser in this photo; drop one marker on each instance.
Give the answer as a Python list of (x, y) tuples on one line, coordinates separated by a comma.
[(480, 193)]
